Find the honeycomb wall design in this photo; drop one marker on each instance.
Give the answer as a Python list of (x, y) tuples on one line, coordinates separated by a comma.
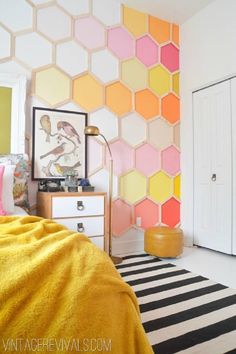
[(122, 68)]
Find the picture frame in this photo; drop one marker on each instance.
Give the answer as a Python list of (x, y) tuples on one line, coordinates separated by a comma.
[(59, 145)]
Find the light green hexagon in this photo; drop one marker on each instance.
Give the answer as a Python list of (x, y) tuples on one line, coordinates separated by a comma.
[(134, 74), (160, 187), (159, 80), (133, 186)]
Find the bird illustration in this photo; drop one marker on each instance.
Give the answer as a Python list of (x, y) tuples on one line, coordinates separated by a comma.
[(46, 126), (63, 170), (68, 129), (56, 151)]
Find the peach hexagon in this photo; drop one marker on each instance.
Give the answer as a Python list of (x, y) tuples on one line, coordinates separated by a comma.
[(159, 29), (134, 74), (75, 7), (177, 186), (90, 32), (148, 211), (170, 160), (107, 123), (100, 179), (177, 135), (107, 11), (147, 159), (170, 57), (105, 65), (175, 83), (95, 155), (160, 133), (122, 217), (133, 186), (52, 86), (170, 108), (159, 80), (16, 15), (120, 42), (33, 50), (72, 58), (53, 23), (147, 50), (133, 129), (123, 156), (118, 98), (5, 40), (135, 21), (147, 104), (160, 187), (171, 213), (87, 92)]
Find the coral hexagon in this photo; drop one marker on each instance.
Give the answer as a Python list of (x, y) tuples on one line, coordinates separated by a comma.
[(170, 57), (171, 212), (147, 104), (87, 92), (118, 98), (147, 50), (148, 211), (171, 160), (170, 108), (122, 217), (120, 43), (147, 159)]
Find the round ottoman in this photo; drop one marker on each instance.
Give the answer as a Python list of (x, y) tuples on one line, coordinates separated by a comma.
[(163, 241)]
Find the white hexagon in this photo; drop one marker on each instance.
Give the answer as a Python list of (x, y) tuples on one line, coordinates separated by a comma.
[(75, 7), (101, 182), (72, 58), (160, 133), (95, 155), (5, 43), (105, 66), (54, 23), (16, 15), (11, 66), (39, 2), (107, 123), (33, 49), (133, 129), (107, 11)]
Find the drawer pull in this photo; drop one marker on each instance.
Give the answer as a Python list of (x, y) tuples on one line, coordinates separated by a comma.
[(80, 205), (80, 227)]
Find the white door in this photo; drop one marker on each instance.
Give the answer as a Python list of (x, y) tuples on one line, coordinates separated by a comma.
[(233, 100), (213, 168)]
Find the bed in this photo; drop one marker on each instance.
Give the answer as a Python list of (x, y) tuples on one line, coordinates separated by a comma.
[(60, 292)]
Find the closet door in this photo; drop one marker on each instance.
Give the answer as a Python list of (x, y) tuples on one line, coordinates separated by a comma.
[(233, 100), (213, 168)]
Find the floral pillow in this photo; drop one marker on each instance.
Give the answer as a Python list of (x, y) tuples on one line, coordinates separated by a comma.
[(21, 175)]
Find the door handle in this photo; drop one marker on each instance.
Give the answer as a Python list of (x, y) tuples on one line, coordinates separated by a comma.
[(213, 177), (80, 227)]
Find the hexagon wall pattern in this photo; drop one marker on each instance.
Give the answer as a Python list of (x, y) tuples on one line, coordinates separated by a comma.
[(122, 67)]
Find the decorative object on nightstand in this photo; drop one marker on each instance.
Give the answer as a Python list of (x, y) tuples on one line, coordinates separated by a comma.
[(94, 131)]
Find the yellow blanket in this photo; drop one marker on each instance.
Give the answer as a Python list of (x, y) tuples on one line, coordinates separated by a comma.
[(59, 293)]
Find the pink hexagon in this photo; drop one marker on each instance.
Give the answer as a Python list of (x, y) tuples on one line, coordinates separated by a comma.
[(171, 160), (122, 217), (95, 155), (147, 51), (90, 32), (147, 159), (120, 42), (149, 213), (170, 212), (170, 57), (123, 157)]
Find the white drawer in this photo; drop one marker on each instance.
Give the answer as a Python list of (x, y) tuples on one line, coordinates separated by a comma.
[(77, 206), (98, 241), (93, 226)]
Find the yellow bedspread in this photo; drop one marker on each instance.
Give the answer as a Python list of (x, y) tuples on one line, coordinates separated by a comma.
[(59, 293)]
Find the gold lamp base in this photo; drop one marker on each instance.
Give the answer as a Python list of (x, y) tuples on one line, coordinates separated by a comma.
[(116, 260)]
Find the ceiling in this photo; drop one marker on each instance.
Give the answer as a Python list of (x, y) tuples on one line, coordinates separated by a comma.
[(177, 11)]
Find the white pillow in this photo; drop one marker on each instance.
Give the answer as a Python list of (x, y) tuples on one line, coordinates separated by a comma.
[(7, 188)]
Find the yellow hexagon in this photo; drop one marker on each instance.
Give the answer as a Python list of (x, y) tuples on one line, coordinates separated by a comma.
[(52, 86), (159, 80), (133, 186), (175, 83), (135, 21), (87, 92), (177, 186), (134, 74), (160, 187)]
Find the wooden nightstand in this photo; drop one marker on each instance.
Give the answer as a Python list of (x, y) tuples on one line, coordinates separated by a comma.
[(82, 212)]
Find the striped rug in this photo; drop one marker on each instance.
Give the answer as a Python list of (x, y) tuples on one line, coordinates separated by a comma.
[(181, 312)]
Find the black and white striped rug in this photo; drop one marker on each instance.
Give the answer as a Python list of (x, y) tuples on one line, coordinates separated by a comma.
[(181, 312)]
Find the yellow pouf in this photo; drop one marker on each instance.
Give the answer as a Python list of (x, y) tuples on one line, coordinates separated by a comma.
[(163, 241)]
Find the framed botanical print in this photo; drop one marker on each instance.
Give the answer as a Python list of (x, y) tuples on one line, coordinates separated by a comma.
[(59, 144)]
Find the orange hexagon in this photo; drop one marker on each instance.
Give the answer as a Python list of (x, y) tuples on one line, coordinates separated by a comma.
[(87, 92), (159, 29), (118, 98), (170, 108), (147, 104)]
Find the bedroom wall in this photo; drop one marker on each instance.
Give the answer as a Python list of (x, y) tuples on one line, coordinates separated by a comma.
[(208, 55), (122, 67)]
